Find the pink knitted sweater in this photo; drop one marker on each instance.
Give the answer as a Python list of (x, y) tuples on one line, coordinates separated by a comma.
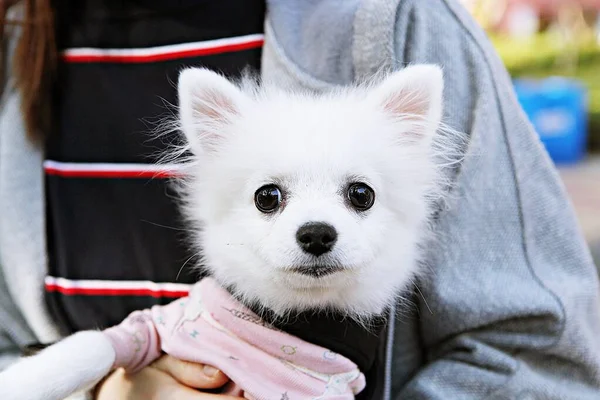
[(211, 327)]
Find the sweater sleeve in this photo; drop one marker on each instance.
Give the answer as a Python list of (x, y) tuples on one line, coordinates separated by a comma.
[(140, 339), (511, 306), (136, 341)]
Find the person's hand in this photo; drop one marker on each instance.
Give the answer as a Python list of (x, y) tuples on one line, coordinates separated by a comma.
[(167, 378)]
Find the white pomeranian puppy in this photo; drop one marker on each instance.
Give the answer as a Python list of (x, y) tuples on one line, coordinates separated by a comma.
[(304, 201), (299, 201)]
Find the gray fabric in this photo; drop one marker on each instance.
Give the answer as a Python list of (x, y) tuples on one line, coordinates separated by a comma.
[(14, 331), (22, 226), (513, 293), (299, 25)]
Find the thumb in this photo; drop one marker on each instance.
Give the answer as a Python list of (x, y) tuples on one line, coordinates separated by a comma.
[(190, 374)]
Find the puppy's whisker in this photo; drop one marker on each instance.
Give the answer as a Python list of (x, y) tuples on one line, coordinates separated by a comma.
[(424, 300), (166, 226), (185, 263)]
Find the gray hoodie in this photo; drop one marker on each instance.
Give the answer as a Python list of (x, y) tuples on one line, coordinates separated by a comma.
[(511, 306)]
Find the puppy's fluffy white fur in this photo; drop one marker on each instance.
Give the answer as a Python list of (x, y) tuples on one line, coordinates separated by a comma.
[(71, 366), (243, 136)]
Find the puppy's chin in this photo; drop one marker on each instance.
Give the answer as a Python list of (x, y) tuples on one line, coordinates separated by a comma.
[(314, 279)]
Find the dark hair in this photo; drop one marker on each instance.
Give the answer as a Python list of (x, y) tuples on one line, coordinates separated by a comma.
[(34, 62)]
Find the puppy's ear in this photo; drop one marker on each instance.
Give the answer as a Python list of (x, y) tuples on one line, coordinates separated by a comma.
[(413, 98), (208, 103)]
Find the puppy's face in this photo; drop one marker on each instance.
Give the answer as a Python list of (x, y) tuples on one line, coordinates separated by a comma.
[(304, 201)]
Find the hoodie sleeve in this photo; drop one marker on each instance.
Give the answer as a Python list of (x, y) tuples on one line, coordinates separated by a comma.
[(512, 295)]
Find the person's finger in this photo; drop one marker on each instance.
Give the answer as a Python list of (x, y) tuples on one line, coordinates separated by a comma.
[(191, 374)]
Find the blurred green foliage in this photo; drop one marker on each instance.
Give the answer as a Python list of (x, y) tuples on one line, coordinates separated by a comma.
[(545, 55)]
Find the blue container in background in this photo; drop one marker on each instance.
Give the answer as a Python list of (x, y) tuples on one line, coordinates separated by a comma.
[(557, 108)]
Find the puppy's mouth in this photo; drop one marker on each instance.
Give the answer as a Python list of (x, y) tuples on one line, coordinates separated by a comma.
[(317, 271)]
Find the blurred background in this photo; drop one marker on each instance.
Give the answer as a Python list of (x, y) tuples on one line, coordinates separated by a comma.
[(552, 50)]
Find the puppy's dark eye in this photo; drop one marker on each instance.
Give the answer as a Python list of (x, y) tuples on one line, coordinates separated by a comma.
[(361, 196), (267, 198)]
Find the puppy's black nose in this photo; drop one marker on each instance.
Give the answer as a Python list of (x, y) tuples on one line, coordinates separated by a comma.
[(316, 238)]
